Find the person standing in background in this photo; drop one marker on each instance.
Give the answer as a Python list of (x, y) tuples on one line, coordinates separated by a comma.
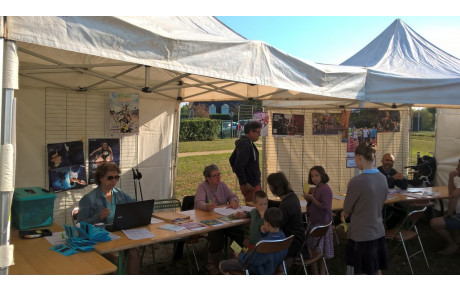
[(245, 160)]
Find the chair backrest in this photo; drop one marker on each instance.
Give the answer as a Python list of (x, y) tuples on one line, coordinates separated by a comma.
[(269, 247), (320, 230), (171, 203), (415, 215), (273, 246), (412, 217), (188, 203)]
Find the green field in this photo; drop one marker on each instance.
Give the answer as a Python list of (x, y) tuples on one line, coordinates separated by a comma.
[(204, 146), (190, 169), (422, 142)]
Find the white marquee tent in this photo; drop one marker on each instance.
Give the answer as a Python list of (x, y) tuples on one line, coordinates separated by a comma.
[(59, 71), (402, 68), (407, 68)]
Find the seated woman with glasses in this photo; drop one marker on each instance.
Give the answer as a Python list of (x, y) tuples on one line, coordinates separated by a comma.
[(209, 194), (98, 206)]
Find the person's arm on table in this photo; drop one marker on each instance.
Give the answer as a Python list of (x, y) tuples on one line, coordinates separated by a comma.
[(230, 197)]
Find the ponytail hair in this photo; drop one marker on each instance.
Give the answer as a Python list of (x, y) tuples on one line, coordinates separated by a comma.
[(366, 150)]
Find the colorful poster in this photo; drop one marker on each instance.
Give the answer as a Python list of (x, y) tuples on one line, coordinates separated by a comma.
[(67, 178), (388, 121), (345, 118), (326, 123), (66, 165), (263, 118), (288, 125), (124, 112), (362, 126), (100, 151)]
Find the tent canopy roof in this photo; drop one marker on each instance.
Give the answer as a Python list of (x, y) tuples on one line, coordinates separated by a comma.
[(404, 67), (196, 58)]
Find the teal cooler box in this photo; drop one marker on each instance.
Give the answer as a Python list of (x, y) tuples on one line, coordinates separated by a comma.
[(32, 207)]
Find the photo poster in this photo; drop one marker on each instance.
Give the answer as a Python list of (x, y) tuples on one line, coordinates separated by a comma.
[(263, 118), (124, 114), (362, 127), (288, 125), (345, 117), (326, 123), (102, 150), (66, 165), (388, 121)]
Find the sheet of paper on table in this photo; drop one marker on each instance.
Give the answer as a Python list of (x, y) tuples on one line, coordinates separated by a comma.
[(56, 238), (172, 227), (154, 220), (136, 234), (224, 211)]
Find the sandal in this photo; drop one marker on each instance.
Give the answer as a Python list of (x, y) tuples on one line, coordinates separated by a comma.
[(212, 269)]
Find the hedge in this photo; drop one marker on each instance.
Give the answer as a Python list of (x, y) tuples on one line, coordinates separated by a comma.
[(199, 129)]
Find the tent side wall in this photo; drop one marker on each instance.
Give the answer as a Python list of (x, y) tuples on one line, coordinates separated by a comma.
[(447, 145), (296, 155), (47, 115)]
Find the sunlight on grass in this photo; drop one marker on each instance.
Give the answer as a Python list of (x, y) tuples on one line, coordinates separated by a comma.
[(203, 146), (190, 169), (190, 173)]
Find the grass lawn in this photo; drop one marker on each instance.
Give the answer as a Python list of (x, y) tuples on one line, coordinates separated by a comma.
[(204, 146), (422, 142), (190, 169), (190, 173)]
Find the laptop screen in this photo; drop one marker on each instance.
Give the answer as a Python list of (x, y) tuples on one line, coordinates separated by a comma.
[(130, 215)]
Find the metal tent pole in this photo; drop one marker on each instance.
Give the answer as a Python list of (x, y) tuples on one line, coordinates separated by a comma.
[(8, 82)]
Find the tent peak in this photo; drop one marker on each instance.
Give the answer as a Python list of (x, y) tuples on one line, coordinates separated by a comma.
[(402, 51)]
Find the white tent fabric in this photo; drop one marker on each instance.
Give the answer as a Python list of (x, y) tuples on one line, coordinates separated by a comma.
[(403, 67), (69, 65), (216, 56)]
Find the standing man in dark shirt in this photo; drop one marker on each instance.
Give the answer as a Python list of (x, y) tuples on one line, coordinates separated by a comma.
[(245, 160), (394, 178)]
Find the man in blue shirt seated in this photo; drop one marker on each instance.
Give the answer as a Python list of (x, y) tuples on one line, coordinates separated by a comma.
[(394, 178), (260, 264)]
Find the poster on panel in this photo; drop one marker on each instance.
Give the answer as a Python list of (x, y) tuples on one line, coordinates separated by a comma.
[(288, 125), (326, 123), (124, 114), (66, 165), (263, 118), (362, 127), (388, 121), (100, 151)]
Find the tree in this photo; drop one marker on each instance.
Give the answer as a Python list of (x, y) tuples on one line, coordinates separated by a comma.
[(427, 118), (200, 110)]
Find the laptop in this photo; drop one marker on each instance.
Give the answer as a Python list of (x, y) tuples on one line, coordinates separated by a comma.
[(130, 215)]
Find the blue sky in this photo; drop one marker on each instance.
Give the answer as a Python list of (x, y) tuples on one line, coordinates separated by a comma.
[(333, 39)]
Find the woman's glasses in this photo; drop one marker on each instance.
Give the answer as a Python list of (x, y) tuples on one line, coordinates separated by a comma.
[(110, 178), (215, 175)]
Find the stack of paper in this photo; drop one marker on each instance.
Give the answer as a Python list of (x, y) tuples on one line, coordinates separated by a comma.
[(138, 233), (212, 222), (172, 227), (193, 226)]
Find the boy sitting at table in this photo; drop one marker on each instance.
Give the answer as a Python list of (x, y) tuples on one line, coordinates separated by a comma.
[(260, 264), (257, 218)]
